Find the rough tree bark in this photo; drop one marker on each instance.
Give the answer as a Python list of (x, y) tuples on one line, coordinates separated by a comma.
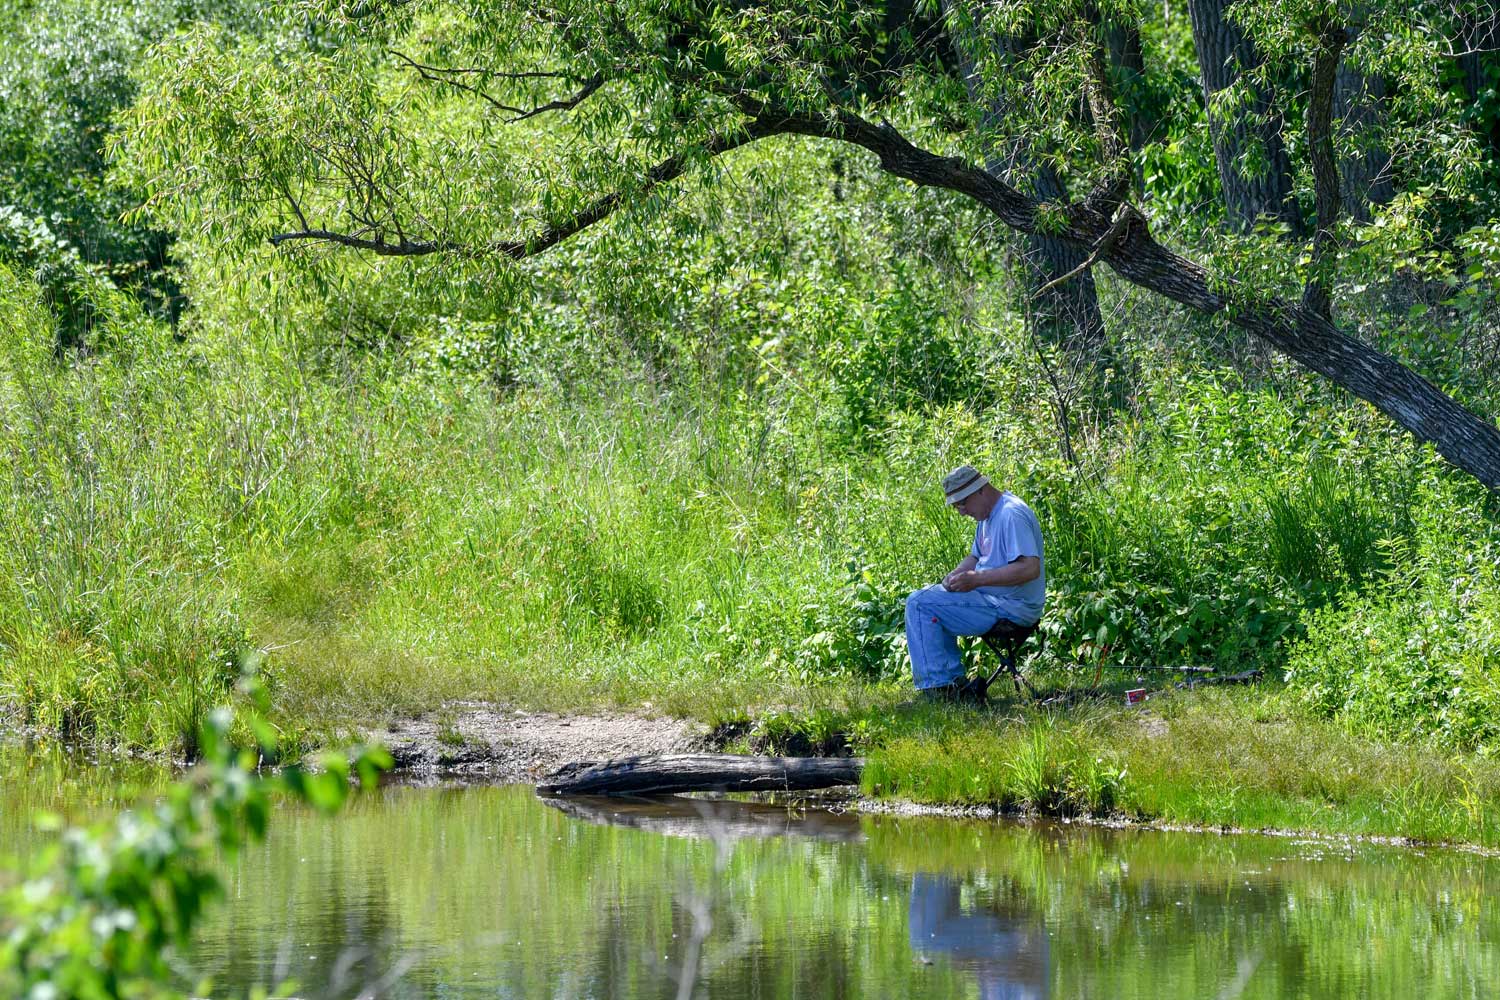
[(1250, 134), (1317, 296), (1127, 60), (701, 772), (1067, 313), (1367, 173)]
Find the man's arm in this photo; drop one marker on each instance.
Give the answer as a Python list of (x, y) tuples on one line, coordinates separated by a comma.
[(1022, 570), (966, 566)]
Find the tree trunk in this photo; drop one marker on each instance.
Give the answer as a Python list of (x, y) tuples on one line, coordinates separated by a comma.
[(1367, 172), (1255, 171), (701, 772), (1467, 440), (1068, 314), (1127, 63), (1317, 294), (1480, 66)]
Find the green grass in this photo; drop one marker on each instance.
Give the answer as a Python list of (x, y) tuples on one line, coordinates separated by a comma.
[(1249, 758)]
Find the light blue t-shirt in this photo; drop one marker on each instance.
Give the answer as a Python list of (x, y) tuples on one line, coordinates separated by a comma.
[(1010, 532)]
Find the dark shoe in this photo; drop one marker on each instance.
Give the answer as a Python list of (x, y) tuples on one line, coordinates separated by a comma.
[(974, 690), (971, 691), (945, 693)]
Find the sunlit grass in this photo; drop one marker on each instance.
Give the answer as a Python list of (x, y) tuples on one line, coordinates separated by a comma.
[(1245, 759)]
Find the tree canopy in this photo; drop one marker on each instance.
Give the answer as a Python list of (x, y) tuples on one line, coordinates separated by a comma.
[(497, 130)]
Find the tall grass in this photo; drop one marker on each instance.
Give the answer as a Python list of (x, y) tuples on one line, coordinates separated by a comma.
[(390, 533)]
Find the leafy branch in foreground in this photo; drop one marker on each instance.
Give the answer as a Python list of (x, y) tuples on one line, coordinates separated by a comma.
[(98, 918)]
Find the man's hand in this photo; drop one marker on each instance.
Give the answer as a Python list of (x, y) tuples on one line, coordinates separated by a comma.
[(961, 580), (964, 568)]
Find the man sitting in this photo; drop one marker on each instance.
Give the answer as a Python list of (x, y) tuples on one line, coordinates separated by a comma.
[(1003, 576)]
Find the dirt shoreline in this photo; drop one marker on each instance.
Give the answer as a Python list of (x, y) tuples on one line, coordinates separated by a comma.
[(474, 742), (484, 743), (500, 743)]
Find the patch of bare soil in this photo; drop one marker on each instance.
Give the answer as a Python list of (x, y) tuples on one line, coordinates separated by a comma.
[(509, 744)]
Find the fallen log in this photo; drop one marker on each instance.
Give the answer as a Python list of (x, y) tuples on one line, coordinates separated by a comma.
[(711, 819), (700, 772)]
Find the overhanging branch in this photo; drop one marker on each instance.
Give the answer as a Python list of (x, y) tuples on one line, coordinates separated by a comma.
[(1470, 442), (519, 249)]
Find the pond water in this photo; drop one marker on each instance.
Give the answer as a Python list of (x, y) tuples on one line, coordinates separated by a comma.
[(467, 892)]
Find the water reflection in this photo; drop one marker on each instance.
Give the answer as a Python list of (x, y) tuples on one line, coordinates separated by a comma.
[(1007, 951), (1003, 945), (709, 818), (460, 893)]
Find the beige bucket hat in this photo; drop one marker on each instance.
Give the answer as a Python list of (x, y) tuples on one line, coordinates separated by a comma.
[(962, 482)]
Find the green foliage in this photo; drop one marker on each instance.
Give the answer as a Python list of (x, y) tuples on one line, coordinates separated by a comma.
[(817, 733), (91, 312), (102, 911), (65, 71), (1420, 659), (688, 455), (1035, 765)]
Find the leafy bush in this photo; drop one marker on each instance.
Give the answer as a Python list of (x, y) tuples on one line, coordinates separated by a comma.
[(1418, 660), (90, 311)]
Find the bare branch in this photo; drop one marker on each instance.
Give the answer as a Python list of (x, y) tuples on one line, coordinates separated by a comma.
[(567, 104), (449, 77), (286, 189), (373, 240), (378, 245), (484, 71), (1124, 216), (437, 76)]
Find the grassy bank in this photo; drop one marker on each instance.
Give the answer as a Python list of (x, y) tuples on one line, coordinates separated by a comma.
[(1246, 759), (381, 544)]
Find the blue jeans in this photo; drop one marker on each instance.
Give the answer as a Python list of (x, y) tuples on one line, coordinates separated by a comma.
[(936, 617)]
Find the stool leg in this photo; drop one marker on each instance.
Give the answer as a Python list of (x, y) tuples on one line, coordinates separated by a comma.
[(1015, 675), (1001, 664)]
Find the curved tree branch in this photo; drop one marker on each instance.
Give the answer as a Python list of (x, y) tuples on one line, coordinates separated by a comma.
[(449, 76), (669, 169), (590, 85), (1467, 440)]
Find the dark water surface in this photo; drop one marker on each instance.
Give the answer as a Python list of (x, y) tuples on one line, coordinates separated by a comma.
[(491, 892)]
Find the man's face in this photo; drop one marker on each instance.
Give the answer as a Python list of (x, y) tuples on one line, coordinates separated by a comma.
[(977, 504)]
